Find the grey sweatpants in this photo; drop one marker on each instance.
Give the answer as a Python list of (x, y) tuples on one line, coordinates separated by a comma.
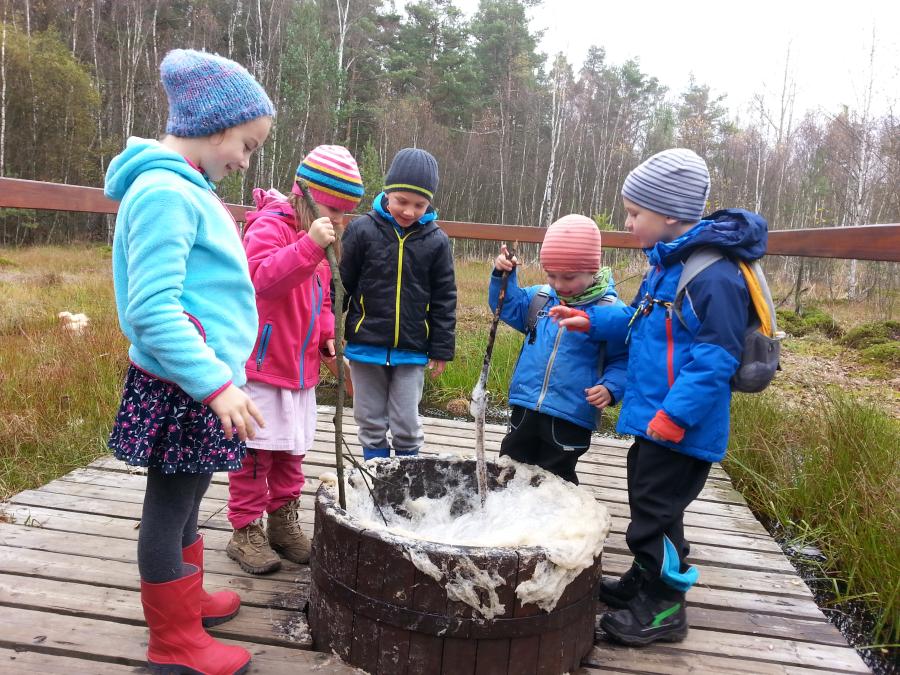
[(387, 397)]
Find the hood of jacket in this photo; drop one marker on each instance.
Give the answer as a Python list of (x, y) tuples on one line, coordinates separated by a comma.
[(740, 234), (379, 205), (145, 154), (269, 203)]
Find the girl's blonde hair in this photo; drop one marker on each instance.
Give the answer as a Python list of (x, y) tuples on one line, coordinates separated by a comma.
[(303, 218)]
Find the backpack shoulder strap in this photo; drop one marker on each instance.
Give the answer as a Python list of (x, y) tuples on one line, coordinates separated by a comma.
[(696, 262), (538, 301), (760, 297)]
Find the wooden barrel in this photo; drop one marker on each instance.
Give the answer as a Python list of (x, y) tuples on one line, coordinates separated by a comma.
[(370, 605)]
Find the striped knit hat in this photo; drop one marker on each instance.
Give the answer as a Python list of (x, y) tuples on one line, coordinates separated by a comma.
[(673, 182), (572, 244), (209, 93), (333, 177), (413, 170)]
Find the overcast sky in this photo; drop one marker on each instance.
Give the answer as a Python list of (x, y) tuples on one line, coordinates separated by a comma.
[(738, 48)]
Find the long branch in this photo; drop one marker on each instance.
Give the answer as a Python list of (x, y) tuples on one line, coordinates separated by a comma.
[(338, 308)]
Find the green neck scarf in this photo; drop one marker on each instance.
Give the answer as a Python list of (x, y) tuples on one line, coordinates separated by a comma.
[(597, 289)]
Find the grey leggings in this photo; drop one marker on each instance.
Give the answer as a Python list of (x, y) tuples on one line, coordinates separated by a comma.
[(168, 522)]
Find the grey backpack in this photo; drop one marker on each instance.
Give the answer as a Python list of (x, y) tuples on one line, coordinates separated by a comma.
[(760, 358)]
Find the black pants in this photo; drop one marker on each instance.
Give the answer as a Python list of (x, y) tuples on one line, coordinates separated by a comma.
[(549, 442), (661, 485), (168, 522)]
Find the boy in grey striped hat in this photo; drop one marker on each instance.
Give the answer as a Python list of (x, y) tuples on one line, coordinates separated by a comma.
[(681, 359)]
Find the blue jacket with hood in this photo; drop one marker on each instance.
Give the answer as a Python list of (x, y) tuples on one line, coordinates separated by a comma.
[(183, 291), (553, 372), (684, 373)]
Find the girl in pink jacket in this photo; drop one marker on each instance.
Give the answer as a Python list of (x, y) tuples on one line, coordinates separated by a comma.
[(285, 248)]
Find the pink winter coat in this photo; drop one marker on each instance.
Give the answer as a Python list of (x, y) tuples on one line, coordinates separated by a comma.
[(293, 298)]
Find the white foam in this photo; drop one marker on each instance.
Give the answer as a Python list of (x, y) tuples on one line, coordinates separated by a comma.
[(561, 518)]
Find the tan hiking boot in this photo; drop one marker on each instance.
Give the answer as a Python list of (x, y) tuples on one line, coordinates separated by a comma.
[(249, 547), (285, 534)]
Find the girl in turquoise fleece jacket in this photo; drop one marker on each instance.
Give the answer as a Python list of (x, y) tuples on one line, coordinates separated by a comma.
[(187, 306)]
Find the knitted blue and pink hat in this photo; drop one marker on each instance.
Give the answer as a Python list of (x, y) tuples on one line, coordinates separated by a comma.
[(209, 93)]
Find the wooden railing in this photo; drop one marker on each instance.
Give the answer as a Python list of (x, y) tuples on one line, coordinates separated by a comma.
[(860, 242)]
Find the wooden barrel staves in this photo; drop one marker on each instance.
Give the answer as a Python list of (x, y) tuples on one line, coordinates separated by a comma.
[(380, 612)]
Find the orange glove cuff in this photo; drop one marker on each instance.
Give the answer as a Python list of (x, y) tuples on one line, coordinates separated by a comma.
[(663, 425)]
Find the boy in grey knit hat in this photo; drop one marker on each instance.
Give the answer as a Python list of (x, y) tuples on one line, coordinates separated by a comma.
[(397, 268), (678, 389)]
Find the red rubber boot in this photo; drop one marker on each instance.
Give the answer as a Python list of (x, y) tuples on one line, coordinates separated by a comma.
[(215, 608), (178, 643)]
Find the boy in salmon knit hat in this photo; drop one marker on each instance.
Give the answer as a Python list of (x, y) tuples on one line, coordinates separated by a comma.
[(563, 379)]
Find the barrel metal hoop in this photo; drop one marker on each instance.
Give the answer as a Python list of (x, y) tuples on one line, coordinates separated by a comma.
[(448, 626)]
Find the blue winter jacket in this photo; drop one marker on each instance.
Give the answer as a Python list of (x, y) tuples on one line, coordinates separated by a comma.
[(183, 291), (685, 372), (552, 374)]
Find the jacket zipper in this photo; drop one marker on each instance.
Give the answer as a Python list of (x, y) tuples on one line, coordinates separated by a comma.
[(263, 345), (427, 328), (316, 304), (402, 240), (670, 348), (559, 334)]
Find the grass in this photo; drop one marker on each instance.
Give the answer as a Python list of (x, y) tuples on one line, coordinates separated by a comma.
[(830, 473), (826, 469), (58, 391)]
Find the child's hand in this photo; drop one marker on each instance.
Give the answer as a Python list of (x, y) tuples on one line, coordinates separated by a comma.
[(598, 396), (655, 436), (570, 318), (236, 411), (322, 232), (504, 264), (327, 350), (436, 367)]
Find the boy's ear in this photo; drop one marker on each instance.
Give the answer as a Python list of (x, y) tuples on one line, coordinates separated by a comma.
[(672, 221)]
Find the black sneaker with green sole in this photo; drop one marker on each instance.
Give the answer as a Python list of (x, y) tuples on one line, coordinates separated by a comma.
[(655, 614)]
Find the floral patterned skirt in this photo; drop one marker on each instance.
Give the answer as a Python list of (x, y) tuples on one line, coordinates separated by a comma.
[(158, 425)]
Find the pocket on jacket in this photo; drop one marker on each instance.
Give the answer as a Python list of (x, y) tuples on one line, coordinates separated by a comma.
[(569, 437), (515, 419), (362, 309), (199, 326), (264, 338)]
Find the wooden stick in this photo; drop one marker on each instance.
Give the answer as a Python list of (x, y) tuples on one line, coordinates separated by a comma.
[(478, 407), (338, 308)]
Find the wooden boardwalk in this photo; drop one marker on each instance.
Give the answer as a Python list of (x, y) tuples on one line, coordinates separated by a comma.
[(69, 598)]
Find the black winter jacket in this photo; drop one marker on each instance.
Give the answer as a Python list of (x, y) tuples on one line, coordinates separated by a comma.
[(402, 293)]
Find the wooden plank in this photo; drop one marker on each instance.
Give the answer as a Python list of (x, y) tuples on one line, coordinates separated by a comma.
[(124, 643), (35, 663), (753, 648), (31, 194), (593, 476), (661, 661), (263, 625), (397, 588), (863, 242), (256, 591)]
